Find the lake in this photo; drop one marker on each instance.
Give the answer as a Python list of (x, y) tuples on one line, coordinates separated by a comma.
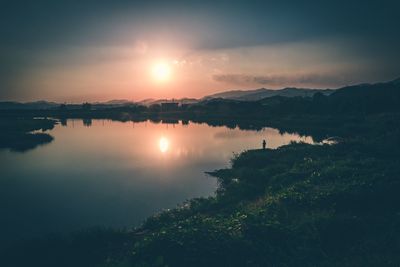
[(115, 174)]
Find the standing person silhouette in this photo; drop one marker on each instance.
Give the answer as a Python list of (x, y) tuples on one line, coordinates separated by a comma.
[(264, 144)]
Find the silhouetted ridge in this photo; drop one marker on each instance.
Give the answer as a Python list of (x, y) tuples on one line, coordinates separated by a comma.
[(396, 81), (257, 94)]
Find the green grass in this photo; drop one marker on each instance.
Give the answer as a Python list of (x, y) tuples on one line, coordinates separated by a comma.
[(300, 205)]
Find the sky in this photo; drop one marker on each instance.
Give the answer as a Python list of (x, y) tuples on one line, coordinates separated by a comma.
[(75, 51)]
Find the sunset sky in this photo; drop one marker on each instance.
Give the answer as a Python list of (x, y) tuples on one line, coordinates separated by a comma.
[(78, 51)]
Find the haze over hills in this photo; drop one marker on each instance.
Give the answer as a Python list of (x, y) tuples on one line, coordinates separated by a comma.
[(152, 101), (240, 95), (117, 102), (28, 105), (257, 94), (237, 95)]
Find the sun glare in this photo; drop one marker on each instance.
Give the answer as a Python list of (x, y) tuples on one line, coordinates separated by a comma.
[(163, 144), (161, 71)]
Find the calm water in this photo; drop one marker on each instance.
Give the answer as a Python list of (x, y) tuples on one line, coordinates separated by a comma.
[(115, 174)]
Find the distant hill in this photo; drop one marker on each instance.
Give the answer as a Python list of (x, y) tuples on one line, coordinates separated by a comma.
[(28, 105), (117, 102), (362, 97), (368, 98), (151, 101), (257, 94)]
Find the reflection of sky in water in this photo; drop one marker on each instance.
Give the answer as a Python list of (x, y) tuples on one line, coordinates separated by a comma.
[(114, 173)]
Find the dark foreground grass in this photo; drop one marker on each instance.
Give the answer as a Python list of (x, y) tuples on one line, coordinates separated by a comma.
[(300, 205)]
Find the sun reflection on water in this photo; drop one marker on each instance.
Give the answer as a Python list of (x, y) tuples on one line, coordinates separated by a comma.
[(163, 144)]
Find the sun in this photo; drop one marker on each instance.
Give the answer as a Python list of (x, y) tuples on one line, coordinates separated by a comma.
[(161, 71)]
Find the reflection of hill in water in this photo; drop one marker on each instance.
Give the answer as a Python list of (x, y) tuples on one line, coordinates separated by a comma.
[(20, 134)]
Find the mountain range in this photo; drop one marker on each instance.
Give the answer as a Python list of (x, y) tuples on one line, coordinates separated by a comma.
[(257, 94), (238, 95)]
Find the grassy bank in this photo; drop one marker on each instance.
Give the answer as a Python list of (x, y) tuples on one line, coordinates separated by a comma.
[(300, 205)]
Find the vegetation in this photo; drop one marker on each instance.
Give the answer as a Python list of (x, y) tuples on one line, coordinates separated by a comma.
[(20, 134)]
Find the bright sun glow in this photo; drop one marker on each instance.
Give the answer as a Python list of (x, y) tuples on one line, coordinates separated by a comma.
[(161, 71), (163, 144)]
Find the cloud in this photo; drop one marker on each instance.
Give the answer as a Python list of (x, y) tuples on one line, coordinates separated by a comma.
[(280, 80), (58, 35)]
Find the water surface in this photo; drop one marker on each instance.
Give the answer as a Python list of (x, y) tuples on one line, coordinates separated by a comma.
[(115, 174)]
